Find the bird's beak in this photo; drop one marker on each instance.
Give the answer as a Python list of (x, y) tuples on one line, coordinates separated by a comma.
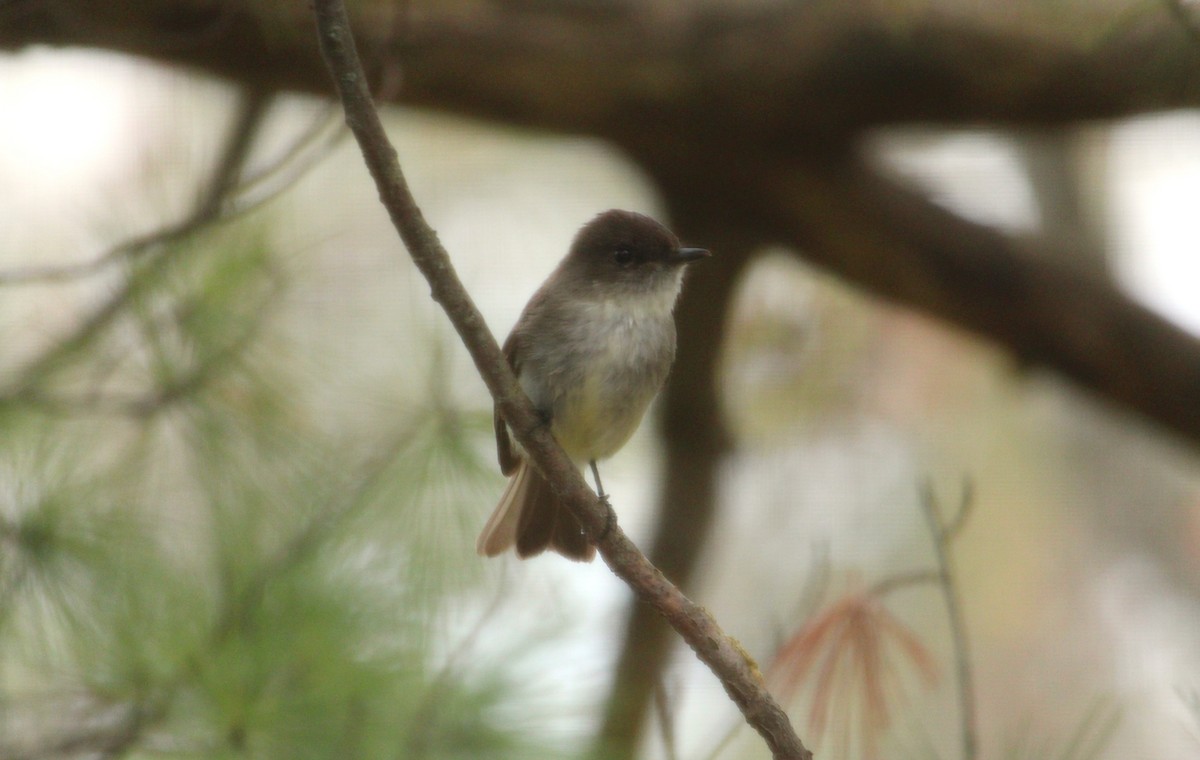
[(685, 255)]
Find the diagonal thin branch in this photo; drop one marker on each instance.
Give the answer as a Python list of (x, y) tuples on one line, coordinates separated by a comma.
[(738, 674)]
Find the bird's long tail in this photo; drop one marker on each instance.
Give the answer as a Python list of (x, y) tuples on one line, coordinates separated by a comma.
[(530, 517)]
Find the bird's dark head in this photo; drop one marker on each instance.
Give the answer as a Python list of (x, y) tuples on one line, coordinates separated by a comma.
[(627, 247)]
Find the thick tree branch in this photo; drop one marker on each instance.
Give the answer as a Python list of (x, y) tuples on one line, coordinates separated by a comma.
[(897, 243), (738, 674), (770, 72)]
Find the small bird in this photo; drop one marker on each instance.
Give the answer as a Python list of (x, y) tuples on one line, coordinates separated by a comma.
[(591, 350)]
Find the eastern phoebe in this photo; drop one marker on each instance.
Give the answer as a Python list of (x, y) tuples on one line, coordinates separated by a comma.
[(591, 350)]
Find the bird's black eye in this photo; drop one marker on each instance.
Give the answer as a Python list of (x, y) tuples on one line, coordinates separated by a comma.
[(623, 256)]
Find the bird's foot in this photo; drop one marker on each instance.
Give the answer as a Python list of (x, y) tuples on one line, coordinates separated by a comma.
[(610, 517)]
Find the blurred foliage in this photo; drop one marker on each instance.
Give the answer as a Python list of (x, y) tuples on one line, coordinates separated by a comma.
[(190, 567)]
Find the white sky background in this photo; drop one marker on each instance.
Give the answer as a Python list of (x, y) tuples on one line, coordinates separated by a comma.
[(65, 124), (1155, 183), (73, 128)]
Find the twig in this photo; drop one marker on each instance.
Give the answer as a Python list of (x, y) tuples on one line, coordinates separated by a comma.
[(966, 501), (942, 533), (154, 248), (250, 117), (208, 208), (307, 150), (149, 403), (903, 580), (241, 197), (738, 674)]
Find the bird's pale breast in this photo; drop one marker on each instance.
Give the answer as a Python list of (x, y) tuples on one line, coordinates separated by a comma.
[(611, 359)]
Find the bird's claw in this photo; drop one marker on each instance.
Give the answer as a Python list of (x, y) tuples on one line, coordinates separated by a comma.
[(610, 517)]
